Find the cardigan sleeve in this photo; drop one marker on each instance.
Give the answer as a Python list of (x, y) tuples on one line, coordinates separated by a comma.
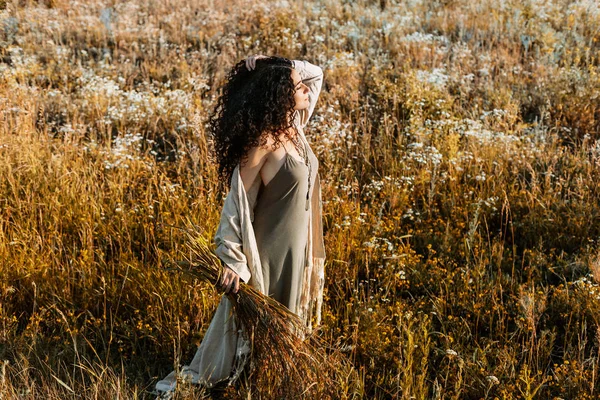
[(312, 76), (228, 239)]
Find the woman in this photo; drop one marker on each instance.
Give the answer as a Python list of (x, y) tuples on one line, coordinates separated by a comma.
[(270, 234)]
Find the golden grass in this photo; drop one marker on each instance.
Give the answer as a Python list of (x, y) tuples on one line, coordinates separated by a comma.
[(459, 156)]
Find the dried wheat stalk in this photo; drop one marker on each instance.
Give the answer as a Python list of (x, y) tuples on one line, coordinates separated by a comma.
[(286, 361)]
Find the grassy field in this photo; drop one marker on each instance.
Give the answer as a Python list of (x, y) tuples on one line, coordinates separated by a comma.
[(459, 150)]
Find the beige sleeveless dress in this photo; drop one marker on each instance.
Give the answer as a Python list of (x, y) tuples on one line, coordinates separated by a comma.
[(281, 227), (281, 223)]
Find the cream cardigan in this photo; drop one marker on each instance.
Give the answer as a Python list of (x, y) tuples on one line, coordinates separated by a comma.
[(223, 350)]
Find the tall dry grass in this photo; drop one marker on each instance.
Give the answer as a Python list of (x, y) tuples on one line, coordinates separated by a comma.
[(459, 156)]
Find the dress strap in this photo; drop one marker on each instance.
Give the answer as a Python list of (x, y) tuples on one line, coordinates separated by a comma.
[(302, 145)]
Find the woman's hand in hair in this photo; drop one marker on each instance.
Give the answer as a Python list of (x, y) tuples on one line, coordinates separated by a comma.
[(251, 61), (230, 280)]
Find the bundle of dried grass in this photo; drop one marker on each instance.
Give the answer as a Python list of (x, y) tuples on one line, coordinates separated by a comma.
[(286, 361)]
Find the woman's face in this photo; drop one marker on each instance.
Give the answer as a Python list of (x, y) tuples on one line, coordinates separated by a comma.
[(300, 92)]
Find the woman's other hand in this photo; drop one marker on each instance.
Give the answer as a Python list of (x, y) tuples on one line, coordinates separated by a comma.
[(251, 61), (230, 280)]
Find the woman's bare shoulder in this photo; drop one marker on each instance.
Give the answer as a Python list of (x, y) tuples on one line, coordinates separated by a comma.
[(256, 158), (260, 151)]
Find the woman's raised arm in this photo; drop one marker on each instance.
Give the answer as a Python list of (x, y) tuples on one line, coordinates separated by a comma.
[(312, 76)]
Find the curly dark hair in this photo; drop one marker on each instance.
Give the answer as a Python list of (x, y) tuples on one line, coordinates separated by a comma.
[(253, 105)]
